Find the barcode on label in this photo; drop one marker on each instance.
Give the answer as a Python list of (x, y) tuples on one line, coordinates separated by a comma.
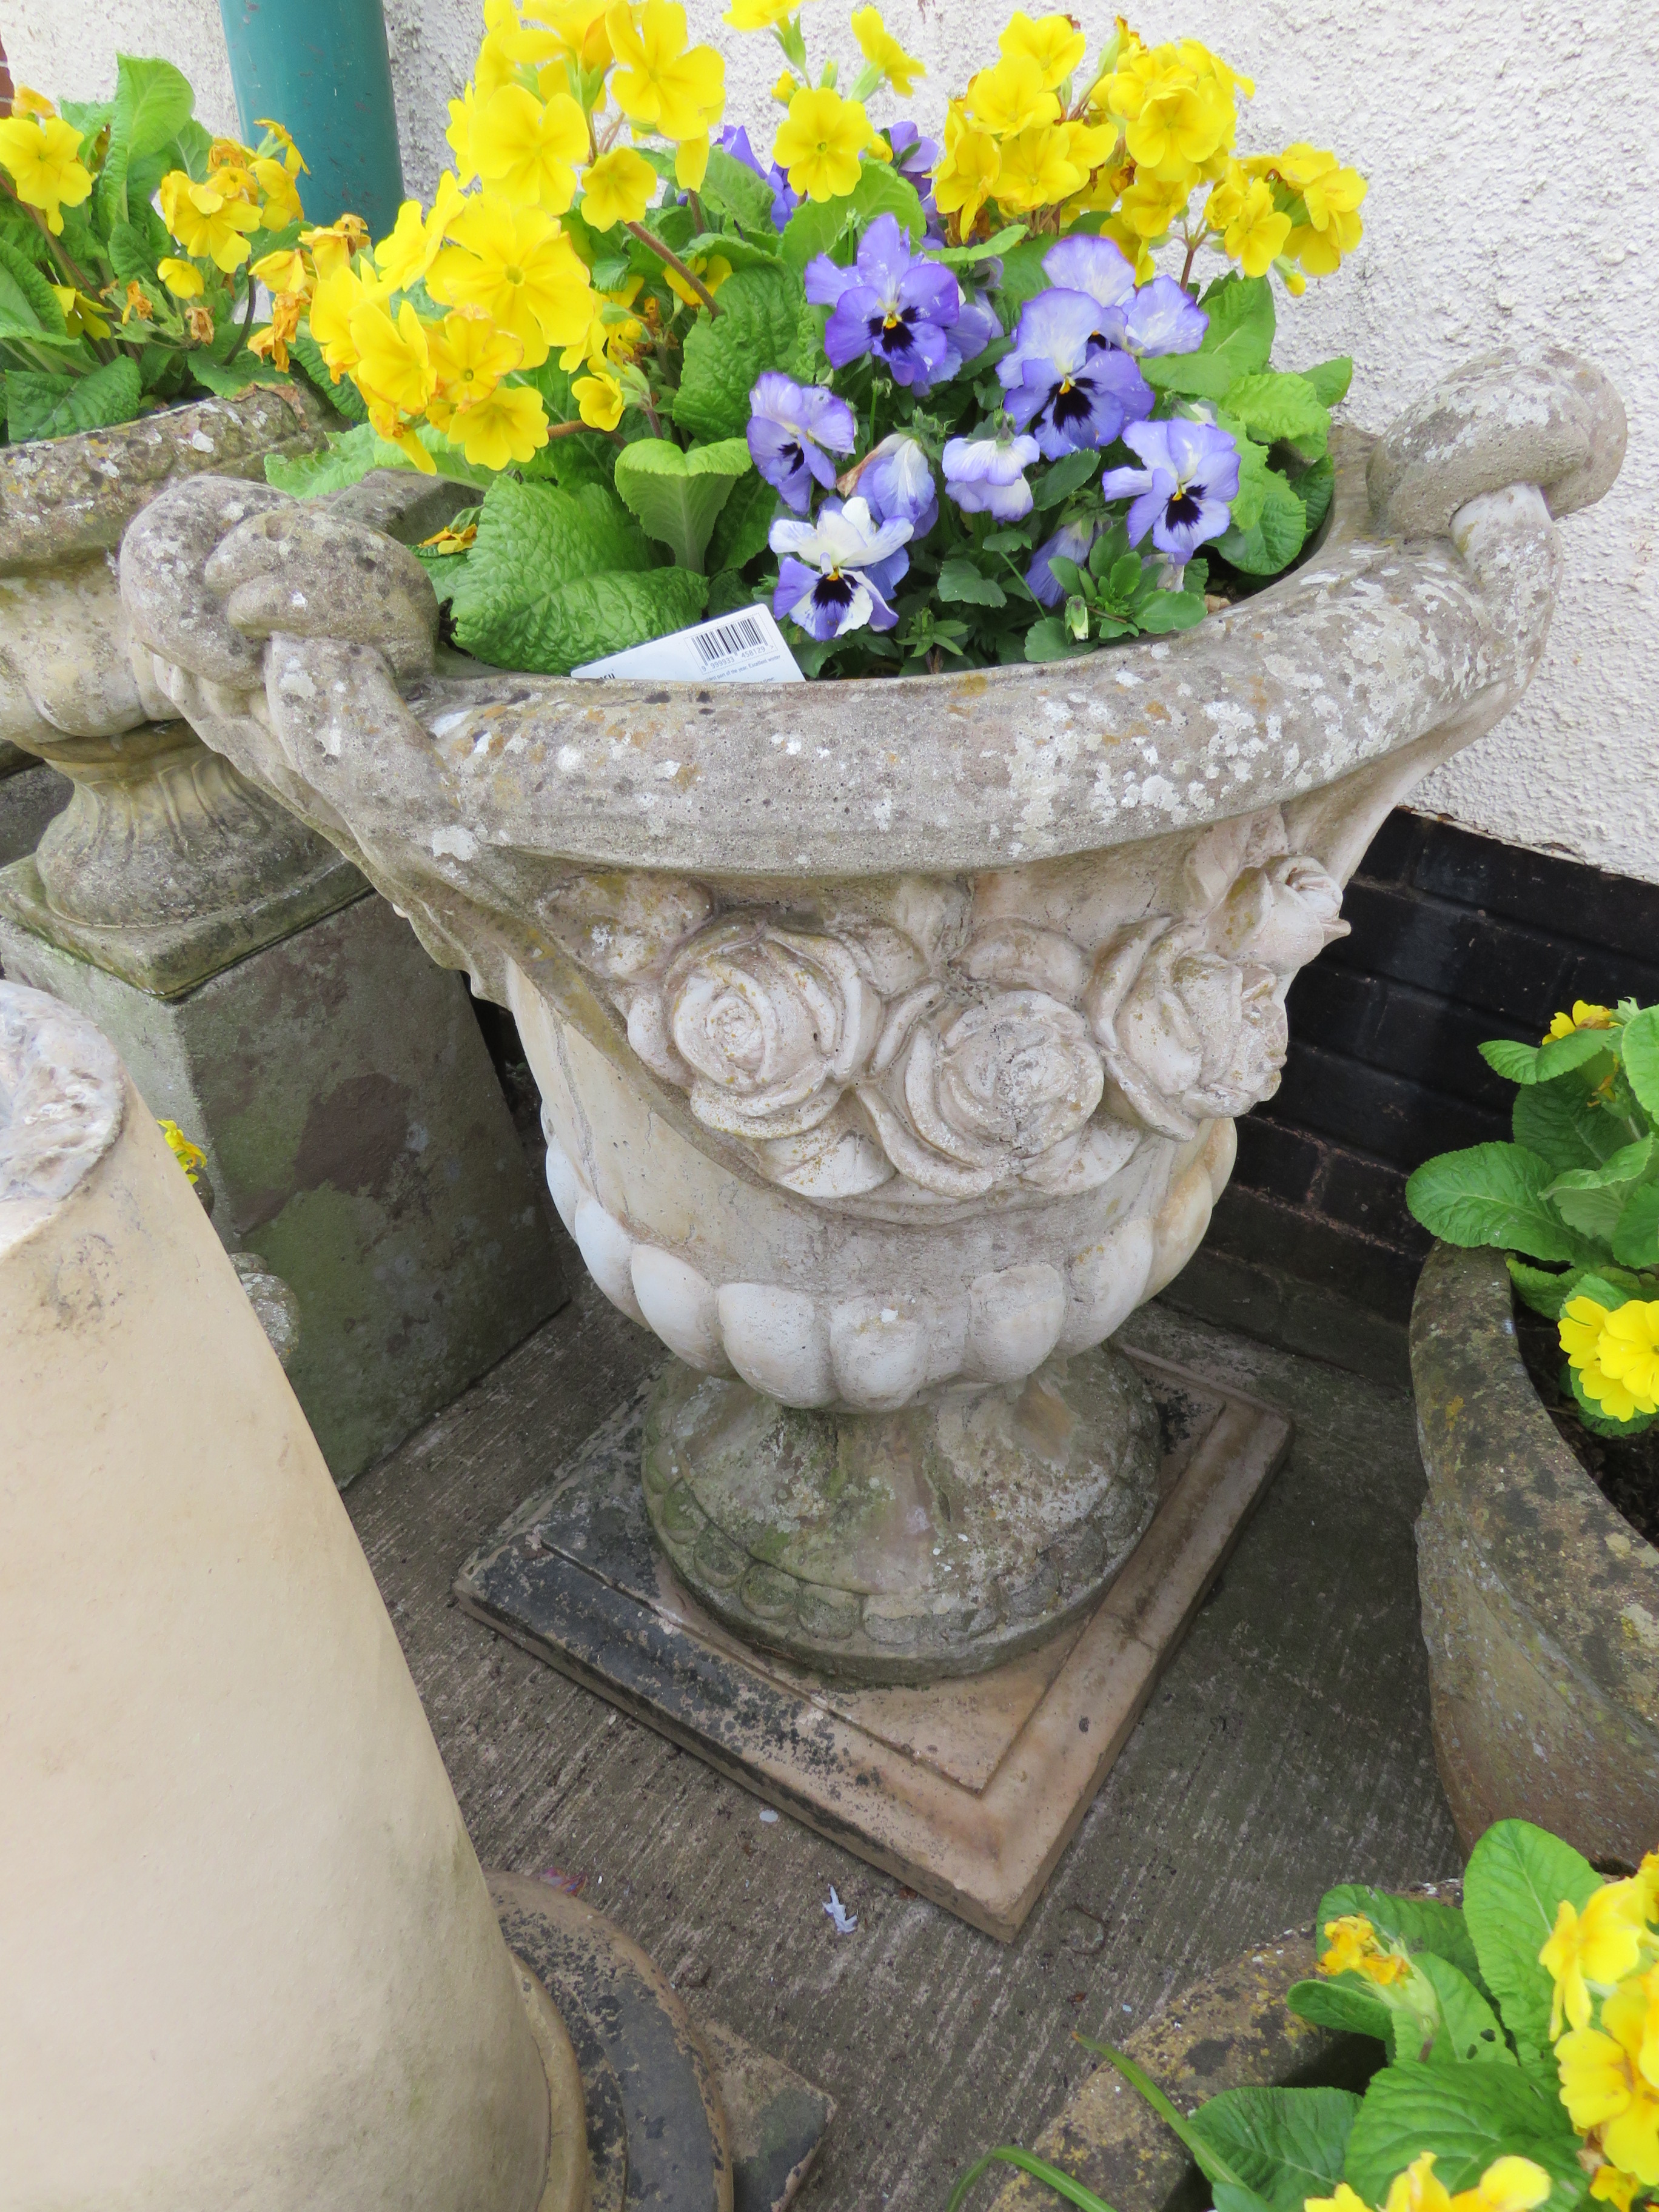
[(744, 635)]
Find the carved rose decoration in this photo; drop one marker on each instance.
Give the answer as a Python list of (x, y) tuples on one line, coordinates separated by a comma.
[(974, 1095), (1280, 915), (770, 1023), (1186, 1034)]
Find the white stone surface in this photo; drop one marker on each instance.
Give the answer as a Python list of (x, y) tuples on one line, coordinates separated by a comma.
[(1511, 157)]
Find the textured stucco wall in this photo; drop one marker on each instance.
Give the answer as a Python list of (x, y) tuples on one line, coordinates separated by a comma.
[(1512, 150)]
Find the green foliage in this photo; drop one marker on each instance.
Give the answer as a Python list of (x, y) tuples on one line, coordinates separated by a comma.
[(349, 455), (742, 526), (45, 406), (1273, 541), (1273, 405), (1286, 2144), (1469, 2028), (1468, 2113), (1490, 1194), (731, 188), (557, 578), (759, 327), (1517, 1876), (678, 496)]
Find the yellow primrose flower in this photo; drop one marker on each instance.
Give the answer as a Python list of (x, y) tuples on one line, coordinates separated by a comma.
[(1603, 1942), (416, 239), (469, 357), (293, 160), (27, 101), (819, 142), (879, 47), (389, 424), (1509, 2184), (191, 1157), (1418, 2189), (1602, 2087), (280, 194), (617, 188), (198, 322), (336, 298), (182, 279), (208, 224), (1355, 1948), (458, 136), (1332, 196), (526, 148), (757, 14), (84, 318), (786, 88), (1584, 1015), (600, 399), (1090, 146), (37, 153), (227, 154), (493, 66), (509, 423), (1133, 248), (1149, 209), (1252, 232), (1616, 1356), (579, 27), (1176, 106), (136, 303), (713, 270), (659, 84), (286, 310), (1038, 170), (1053, 42), (449, 540), (518, 265), (284, 270), (1011, 97), (1613, 2187), (394, 361), (967, 171), (692, 162), (332, 246)]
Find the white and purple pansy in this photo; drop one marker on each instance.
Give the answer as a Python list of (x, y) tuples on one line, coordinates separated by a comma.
[(895, 305), (986, 475), (1072, 541), (835, 573), (1182, 492), (1156, 318), (898, 483), (793, 430), (1062, 383)]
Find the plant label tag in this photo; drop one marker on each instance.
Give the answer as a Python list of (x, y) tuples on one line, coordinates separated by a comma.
[(743, 647)]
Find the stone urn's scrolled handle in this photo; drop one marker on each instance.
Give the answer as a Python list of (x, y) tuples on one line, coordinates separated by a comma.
[(1554, 422)]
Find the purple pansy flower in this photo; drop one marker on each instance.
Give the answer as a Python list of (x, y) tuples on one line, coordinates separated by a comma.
[(1062, 383), (978, 324), (788, 427), (898, 484), (836, 572), (915, 158), (1183, 491), (1156, 318), (987, 476), (1072, 541), (892, 304), (734, 139)]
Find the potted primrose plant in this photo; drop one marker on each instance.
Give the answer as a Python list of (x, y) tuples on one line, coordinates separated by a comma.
[(1537, 1382)]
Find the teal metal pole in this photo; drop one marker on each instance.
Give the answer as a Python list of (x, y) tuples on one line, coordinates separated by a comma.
[(320, 68)]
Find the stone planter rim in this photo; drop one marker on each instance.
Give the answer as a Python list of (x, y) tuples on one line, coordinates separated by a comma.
[(63, 496), (1565, 1555)]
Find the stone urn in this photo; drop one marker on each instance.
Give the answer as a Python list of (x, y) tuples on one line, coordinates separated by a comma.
[(1540, 1603), (890, 1034), (165, 865)]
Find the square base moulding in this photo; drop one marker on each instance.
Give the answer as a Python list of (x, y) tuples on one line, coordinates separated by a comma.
[(968, 1790)]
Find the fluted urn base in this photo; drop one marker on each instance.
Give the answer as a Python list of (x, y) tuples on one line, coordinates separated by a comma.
[(907, 1547)]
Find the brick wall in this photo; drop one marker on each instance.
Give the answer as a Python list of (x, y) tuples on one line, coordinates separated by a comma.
[(1456, 937)]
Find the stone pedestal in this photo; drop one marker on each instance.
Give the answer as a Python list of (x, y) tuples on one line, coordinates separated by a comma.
[(30, 794), (358, 1142)]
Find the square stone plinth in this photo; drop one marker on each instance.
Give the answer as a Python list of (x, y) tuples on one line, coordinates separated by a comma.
[(358, 1142), (969, 1790)]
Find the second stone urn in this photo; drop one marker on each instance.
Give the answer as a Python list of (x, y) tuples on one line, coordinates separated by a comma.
[(890, 1035)]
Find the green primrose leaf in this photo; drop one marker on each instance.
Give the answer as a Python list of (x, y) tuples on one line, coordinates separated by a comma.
[(1490, 1194), (1635, 1236), (677, 496), (1345, 2003), (153, 103), (1566, 1125), (743, 524), (1516, 1878), (343, 396), (1545, 1293), (1050, 640), (1467, 2113), (1316, 488), (961, 583), (39, 405), (1331, 379), (1515, 1062), (815, 227), (759, 327), (1022, 275), (1591, 1200), (1639, 1047), (736, 253), (1273, 404), (989, 249), (733, 189), (1576, 1050), (1275, 538), (26, 299), (1469, 2028), (1286, 2144), (1254, 474), (1190, 375)]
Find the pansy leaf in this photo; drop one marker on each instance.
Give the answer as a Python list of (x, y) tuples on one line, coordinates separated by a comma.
[(963, 584), (1068, 474), (1516, 1878), (1490, 1194), (1050, 640), (1161, 613)]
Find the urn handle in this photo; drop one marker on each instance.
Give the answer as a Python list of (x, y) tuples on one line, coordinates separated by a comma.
[(1555, 421)]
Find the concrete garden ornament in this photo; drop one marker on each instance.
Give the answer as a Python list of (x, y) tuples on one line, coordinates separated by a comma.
[(890, 1034)]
